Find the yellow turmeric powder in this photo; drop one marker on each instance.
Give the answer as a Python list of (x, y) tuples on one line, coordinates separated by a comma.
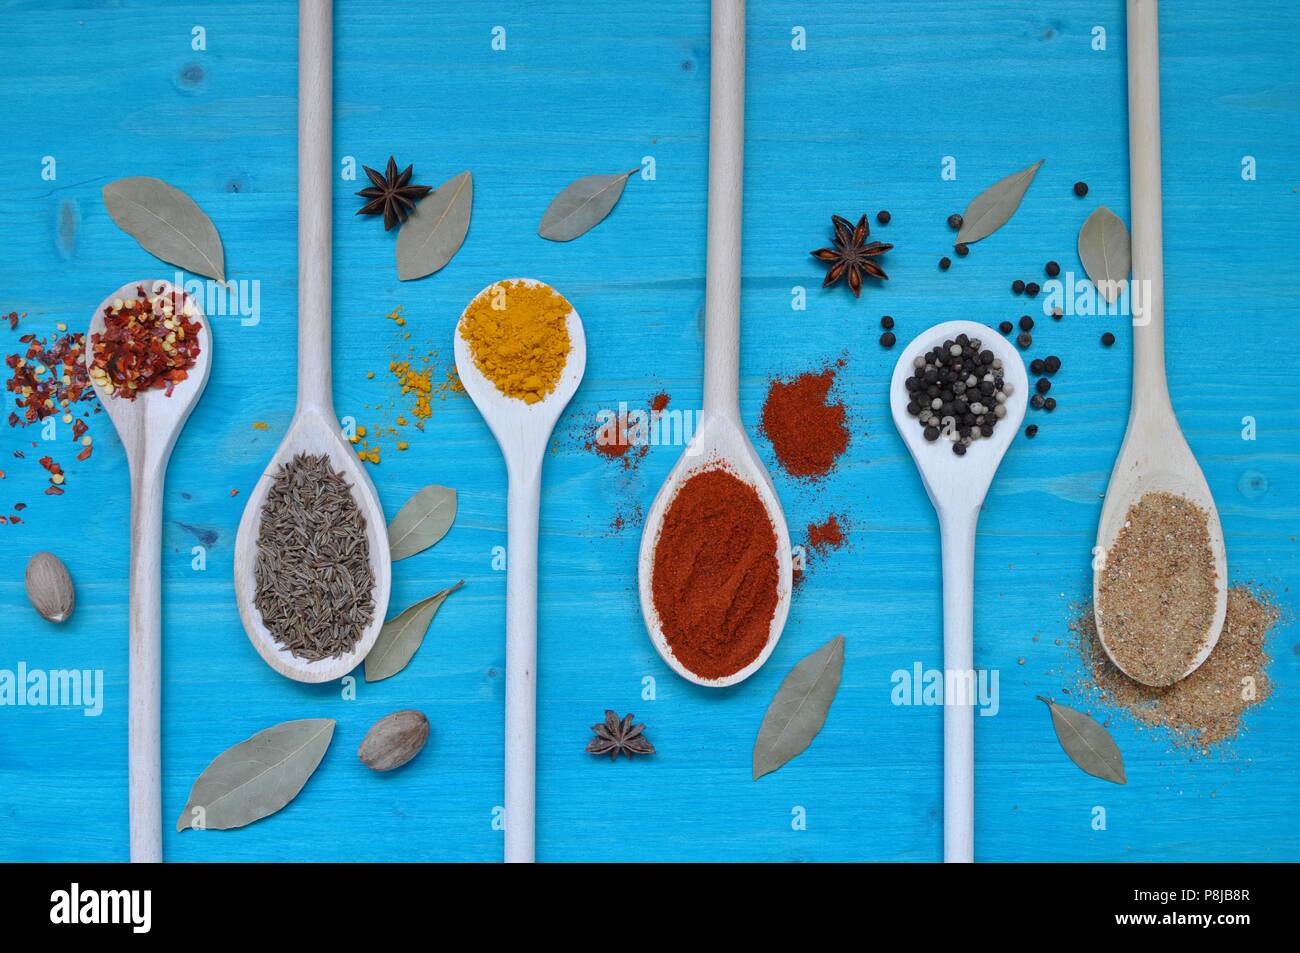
[(519, 337)]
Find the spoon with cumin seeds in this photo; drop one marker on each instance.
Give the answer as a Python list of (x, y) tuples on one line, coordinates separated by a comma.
[(317, 630)]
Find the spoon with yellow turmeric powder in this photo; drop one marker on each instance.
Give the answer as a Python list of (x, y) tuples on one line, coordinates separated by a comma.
[(520, 354)]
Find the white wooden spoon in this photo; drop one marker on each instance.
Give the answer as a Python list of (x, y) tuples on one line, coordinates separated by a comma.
[(720, 437), (957, 487), (1154, 456), (522, 431), (148, 427), (314, 428)]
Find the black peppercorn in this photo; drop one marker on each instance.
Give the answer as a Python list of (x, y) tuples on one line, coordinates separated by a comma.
[(1081, 189), (1032, 289), (887, 323), (1017, 287), (1025, 339), (1043, 385), (962, 249), (1108, 339), (1026, 323), (1049, 404), (932, 433), (1035, 402), (887, 339), (883, 217), (945, 263), (1052, 269), (959, 448), (955, 221), (1036, 366), (1005, 327), (1031, 431), (1052, 364)]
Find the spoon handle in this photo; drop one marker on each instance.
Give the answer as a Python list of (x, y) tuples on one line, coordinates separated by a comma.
[(726, 167), (315, 216), (521, 663), (1150, 390), (144, 728), (957, 531)]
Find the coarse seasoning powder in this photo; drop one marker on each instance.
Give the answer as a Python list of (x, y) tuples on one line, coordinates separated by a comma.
[(715, 574), (314, 585), (1157, 590), (1207, 706), (519, 337)]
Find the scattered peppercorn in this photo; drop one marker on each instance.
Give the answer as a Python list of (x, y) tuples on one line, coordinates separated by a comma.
[(955, 221), (962, 249), (1026, 323), (1108, 339), (1052, 269), (1043, 385), (945, 263), (1032, 289), (1036, 402), (1025, 339), (1081, 189), (1036, 366), (1052, 364), (1049, 404), (1006, 327), (887, 323), (1017, 287), (1031, 431), (887, 339), (883, 217)]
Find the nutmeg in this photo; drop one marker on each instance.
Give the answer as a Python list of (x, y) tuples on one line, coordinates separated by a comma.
[(394, 740), (49, 587)]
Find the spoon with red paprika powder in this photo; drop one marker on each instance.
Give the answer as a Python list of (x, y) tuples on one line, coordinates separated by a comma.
[(957, 485), (715, 569)]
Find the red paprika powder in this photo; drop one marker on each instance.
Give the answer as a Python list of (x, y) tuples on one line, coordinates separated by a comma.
[(808, 431), (715, 574)]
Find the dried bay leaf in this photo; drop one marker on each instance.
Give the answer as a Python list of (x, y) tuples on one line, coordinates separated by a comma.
[(423, 520), (1105, 251), (436, 229), (799, 709), (401, 636), (582, 206), (1088, 744), (167, 223), (993, 207), (257, 777)]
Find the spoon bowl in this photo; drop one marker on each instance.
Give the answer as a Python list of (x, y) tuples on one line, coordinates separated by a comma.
[(148, 427), (522, 430), (719, 441), (957, 487), (315, 433)]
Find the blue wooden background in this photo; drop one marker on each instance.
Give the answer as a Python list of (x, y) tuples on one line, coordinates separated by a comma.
[(860, 120)]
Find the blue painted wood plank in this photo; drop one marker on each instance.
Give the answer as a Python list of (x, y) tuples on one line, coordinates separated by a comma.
[(860, 120)]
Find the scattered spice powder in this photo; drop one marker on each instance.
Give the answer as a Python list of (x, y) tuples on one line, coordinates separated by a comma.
[(715, 574), (821, 538), (808, 431), (1156, 596), (519, 337), (1206, 707)]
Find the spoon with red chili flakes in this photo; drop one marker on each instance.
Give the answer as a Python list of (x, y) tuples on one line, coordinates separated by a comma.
[(148, 357)]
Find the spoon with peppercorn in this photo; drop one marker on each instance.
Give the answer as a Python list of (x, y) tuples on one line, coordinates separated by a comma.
[(720, 439), (1155, 456), (958, 396), (148, 357)]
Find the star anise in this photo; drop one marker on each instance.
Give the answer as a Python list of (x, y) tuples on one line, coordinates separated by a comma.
[(392, 194), (616, 737), (851, 254)]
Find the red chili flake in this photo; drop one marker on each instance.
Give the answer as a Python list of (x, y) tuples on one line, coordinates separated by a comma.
[(148, 342), (20, 506), (54, 491), (15, 519), (234, 492), (12, 318), (79, 429), (85, 453), (3, 520)]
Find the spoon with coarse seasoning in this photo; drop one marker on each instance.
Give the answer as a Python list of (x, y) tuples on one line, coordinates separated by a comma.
[(1160, 568), (149, 353), (958, 396), (715, 567), (521, 352), (312, 566)]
